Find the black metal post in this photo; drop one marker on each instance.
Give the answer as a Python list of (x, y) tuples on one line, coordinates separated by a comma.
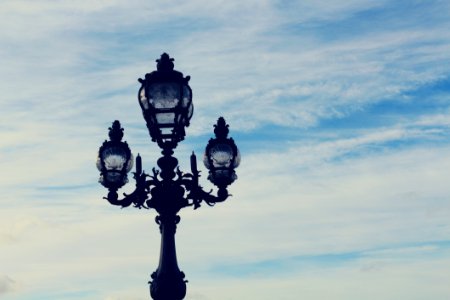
[(168, 281)]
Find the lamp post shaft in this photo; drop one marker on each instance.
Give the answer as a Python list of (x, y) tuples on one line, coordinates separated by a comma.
[(168, 281)]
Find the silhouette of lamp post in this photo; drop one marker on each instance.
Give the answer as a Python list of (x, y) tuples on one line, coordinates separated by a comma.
[(166, 101)]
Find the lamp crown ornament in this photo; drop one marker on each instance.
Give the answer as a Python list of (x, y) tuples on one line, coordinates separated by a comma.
[(221, 129), (165, 63), (115, 132)]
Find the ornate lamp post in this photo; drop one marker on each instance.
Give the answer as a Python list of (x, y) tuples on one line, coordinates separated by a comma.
[(166, 101)]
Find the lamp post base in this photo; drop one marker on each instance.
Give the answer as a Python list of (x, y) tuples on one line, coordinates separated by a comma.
[(166, 286)]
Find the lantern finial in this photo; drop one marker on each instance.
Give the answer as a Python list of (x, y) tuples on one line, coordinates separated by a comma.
[(221, 129), (115, 132), (165, 63)]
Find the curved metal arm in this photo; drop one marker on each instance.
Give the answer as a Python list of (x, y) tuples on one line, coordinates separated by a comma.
[(149, 192), (113, 198), (197, 194), (137, 197), (222, 195)]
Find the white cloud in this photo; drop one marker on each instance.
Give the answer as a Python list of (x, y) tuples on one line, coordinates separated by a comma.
[(70, 68)]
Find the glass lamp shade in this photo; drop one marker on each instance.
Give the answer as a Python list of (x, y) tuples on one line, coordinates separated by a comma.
[(114, 161), (221, 157), (166, 101), (221, 160)]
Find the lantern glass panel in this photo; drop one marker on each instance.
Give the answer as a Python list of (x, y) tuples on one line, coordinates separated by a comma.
[(224, 175), (165, 118), (190, 111), (114, 176), (167, 130), (187, 102), (237, 159), (115, 158), (187, 96), (99, 163), (130, 163), (221, 155), (143, 99), (164, 95)]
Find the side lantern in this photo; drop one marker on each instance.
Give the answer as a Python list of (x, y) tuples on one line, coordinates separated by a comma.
[(114, 159), (221, 156)]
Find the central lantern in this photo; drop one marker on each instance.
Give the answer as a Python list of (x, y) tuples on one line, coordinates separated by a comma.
[(166, 101)]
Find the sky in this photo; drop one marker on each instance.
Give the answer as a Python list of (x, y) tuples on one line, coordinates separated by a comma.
[(341, 111)]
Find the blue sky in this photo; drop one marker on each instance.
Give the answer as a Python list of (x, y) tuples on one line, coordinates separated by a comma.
[(341, 110)]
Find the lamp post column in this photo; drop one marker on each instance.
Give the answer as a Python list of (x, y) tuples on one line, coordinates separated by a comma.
[(168, 281)]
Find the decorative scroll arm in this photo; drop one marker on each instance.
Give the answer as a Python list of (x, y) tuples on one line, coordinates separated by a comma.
[(140, 193), (196, 192), (149, 190)]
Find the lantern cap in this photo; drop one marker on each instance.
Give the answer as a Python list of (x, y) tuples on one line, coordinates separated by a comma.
[(164, 72), (165, 63), (221, 129), (115, 132)]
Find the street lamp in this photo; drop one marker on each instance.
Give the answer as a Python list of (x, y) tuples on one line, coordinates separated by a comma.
[(166, 101)]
